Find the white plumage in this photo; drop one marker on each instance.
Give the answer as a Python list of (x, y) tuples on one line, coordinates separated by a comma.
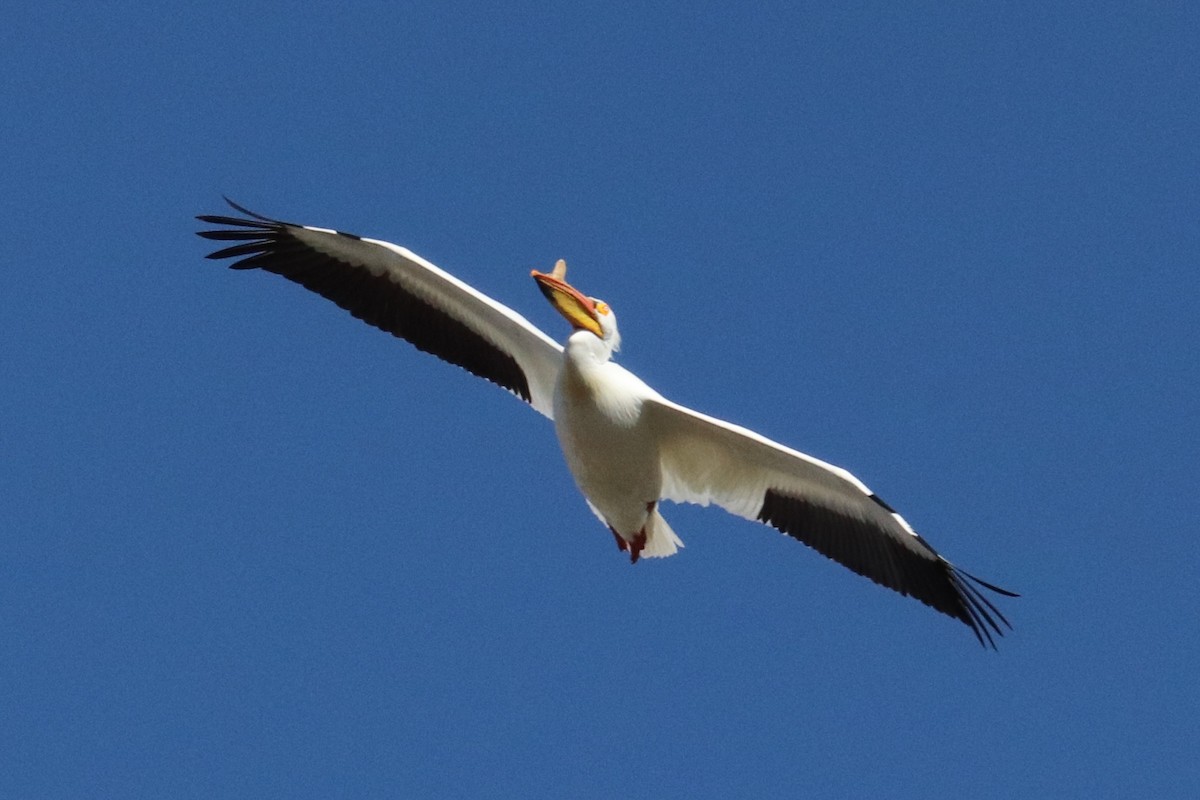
[(626, 445)]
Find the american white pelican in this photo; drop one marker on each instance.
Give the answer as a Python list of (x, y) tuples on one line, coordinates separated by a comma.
[(627, 446)]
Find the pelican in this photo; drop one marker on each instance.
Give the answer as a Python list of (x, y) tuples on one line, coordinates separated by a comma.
[(627, 447)]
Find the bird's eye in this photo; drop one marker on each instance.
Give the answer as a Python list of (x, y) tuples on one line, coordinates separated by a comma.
[(602, 307)]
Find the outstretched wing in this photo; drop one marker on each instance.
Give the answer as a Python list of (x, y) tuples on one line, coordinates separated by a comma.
[(706, 460), (399, 292)]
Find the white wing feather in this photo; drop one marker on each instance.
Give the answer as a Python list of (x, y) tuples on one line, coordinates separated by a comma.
[(540, 356), (396, 290), (707, 460)]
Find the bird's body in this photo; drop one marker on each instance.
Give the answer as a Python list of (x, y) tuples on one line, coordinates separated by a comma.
[(610, 446), (626, 446)]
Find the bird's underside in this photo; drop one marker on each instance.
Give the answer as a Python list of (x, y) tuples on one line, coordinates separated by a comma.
[(626, 445)]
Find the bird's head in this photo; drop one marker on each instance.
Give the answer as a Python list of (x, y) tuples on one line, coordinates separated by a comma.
[(584, 313)]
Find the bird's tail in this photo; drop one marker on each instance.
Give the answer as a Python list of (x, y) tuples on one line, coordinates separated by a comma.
[(661, 541)]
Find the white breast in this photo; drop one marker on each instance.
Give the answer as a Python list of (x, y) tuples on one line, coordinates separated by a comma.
[(610, 451)]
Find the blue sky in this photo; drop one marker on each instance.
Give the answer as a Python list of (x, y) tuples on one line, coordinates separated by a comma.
[(252, 547)]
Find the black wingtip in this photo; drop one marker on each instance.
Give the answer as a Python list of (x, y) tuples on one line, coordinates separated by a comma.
[(987, 585), (252, 235), (977, 611), (217, 219), (247, 211)]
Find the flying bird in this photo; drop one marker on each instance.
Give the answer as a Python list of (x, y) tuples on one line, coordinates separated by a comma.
[(627, 446)]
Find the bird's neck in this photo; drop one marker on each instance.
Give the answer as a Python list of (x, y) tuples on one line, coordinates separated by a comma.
[(585, 350)]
